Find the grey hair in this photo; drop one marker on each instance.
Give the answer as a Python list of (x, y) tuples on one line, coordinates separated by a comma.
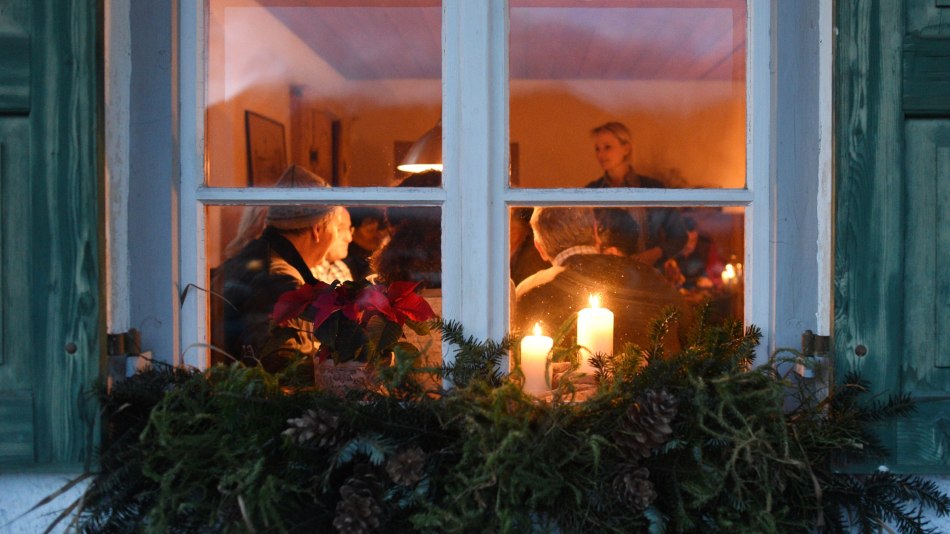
[(557, 229)]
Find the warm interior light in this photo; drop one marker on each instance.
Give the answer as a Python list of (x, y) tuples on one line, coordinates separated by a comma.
[(594, 300), (729, 273), (537, 329), (426, 153)]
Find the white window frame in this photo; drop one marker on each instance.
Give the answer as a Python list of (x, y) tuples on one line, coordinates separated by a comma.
[(475, 198)]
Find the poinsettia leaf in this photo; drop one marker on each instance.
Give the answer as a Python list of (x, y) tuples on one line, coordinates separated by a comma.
[(327, 332), (324, 306), (352, 312), (374, 332), (413, 307), (372, 299), (400, 289), (389, 336), (421, 328), (292, 303), (406, 351), (350, 342)]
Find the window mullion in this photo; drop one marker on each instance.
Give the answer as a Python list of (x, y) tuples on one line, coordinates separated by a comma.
[(475, 148), (192, 331), (759, 219)]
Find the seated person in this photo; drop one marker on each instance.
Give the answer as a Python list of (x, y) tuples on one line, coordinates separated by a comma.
[(295, 238), (699, 261), (414, 254), (617, 231), (333, 267), (369, 232), (524, 259), (635, 292), (414, 250)]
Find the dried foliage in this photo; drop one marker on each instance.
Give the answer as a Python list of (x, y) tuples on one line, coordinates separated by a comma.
[(696, 441)]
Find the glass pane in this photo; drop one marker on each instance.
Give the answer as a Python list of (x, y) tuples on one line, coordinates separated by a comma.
[(638, 261), (257, 253), (628, 93), (342, 90)]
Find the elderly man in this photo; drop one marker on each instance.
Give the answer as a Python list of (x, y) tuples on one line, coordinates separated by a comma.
[(635, 292), (333, 268), (295, 238)]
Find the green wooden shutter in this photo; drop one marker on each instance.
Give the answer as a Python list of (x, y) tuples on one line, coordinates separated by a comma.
[(49, 244), (892, 235)]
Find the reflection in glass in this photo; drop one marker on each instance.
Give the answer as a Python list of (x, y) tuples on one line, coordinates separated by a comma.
[(560, 256), (342, 89), (275, 249), (672, 74)]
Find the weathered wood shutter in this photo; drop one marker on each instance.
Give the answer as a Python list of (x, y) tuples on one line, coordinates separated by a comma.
[(892, 239), (50, 317)]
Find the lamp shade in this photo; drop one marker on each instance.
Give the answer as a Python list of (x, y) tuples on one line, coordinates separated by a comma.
[(426, 153)]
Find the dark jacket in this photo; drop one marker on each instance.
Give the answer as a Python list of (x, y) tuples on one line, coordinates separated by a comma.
[(251, 282), (636, 293), (665, 226)]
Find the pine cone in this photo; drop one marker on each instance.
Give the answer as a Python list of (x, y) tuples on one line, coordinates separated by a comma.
[(358, 511), (646, 425), (635, 489), (406, 467), (319, 425)]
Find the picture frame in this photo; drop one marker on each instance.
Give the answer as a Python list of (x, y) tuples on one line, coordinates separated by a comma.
[(266, 149)]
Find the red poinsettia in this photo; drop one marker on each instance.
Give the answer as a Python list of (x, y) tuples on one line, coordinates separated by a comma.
[(398, 303), (363, 306)]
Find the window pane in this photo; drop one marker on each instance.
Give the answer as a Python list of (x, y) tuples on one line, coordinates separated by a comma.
[(638, 260), (257, 252), (342, 90), (669, 73)]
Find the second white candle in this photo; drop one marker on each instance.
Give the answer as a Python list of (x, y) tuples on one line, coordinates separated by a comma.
[(595, 333)]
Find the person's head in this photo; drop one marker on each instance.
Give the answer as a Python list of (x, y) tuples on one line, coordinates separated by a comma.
[(558, 229), (369, 227), (617, 230), (414, 250), (692, 236), (612, 145), (311, 228), (520, 228), (340, 247)]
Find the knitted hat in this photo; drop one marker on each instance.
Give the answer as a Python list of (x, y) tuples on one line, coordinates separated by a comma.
[(292, 217)]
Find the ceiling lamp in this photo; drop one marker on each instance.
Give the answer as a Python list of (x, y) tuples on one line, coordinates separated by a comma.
[(426, 153)]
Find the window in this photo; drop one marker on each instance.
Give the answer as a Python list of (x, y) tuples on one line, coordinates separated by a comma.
[(483, 87)]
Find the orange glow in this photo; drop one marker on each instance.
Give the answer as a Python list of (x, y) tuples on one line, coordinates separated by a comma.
[(594, 300)]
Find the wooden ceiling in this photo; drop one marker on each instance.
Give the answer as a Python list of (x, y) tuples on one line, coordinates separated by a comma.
[(549, 39)]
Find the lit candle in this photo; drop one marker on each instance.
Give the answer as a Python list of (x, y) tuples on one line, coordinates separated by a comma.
[(729, 275), (534, 358), (595, 333)]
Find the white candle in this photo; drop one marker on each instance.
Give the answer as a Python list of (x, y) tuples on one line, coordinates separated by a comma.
[(595, 333), (534, 357)]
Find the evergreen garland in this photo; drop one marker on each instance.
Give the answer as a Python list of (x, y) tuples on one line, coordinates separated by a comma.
[(697, 441)]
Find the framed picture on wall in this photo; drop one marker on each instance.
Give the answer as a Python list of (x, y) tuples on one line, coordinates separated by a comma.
[(266, 149)]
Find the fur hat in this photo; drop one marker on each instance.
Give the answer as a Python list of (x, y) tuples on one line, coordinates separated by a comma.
[(292, 217)]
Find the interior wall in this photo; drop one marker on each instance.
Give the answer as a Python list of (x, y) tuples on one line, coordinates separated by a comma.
[(689, 134), (253, 62)]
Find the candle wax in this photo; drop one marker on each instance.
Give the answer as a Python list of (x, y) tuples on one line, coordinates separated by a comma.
[(595, 334), (534, 357)]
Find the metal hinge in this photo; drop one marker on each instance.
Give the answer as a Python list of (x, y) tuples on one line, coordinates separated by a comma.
[(124, 343)]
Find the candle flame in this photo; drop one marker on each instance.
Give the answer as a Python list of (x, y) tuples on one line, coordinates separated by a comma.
[(729, 273), (537, 329), (594, 300)]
